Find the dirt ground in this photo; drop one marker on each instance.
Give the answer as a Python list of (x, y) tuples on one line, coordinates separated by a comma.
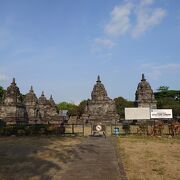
[(35, 157), (147, 158), (48, 157)]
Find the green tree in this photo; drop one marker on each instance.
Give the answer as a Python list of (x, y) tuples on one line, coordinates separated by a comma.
[(170, 94), (169, 99), (121, 103), (163, 88), (81, 107), (72, 108)]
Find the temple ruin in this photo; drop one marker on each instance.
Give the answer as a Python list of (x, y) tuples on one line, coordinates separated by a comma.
[(100, 108), (28, 109), (12, 109), (144, 96)]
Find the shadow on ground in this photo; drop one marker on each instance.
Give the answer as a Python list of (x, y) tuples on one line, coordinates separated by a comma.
[(36, 157)]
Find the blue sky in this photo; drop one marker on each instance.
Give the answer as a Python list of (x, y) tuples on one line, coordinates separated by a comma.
[(61, 46)]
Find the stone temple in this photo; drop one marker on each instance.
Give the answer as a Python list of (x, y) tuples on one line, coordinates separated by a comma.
[(100, 108), (12, 108), (144, 96), (28, 109)]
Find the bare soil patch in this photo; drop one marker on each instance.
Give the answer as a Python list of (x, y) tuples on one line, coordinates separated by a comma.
[(147, 158), (35, 157)]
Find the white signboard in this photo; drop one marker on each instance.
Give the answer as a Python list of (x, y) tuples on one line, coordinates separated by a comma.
[(161, 113), (137, 113)]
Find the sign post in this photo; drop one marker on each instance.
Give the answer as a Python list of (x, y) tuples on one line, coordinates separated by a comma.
[(161, 114), (137, 113), (98, 128)]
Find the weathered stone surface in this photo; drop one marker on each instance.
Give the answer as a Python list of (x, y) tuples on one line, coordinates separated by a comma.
[(48, 110), (99, 92), (12, 108), (144, 96), (52, 112), (100, 108), (32, 110), (42, 101)]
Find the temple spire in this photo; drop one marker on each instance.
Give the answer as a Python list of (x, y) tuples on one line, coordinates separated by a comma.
[(52, 101), (31, 89), (42, 93), (143, 78), (13, 81), (51, 98), (98, 79)]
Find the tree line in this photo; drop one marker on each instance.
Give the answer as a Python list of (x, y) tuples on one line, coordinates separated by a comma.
[(168, 99)]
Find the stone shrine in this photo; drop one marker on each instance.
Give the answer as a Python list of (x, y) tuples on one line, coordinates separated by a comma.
[(100, 108), (42, 101), (48, 110), (32, 108), (144, 96), (16, 108), (12, 108)]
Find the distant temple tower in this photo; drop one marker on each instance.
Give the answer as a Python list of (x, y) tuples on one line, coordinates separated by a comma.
[(42, 101), (31, 103), (48, 111), (100, 108), (52, 112), (144, 95), (99, 92), (13, 110), (16, 108)]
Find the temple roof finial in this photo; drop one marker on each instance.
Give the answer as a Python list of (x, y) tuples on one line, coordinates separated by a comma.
[(51, 97), (98, 79), (13, 81), (31, 89), (42, 93), (51, 100), (143, 78)]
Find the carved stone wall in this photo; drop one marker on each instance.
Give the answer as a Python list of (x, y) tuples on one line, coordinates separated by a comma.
[(15, 109), (100, 108), (32, 108), (144, 96), (48, 110), (12, 108)]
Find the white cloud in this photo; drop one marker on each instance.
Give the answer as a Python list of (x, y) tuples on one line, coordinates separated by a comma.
[(146, 2), (146, 20), (155, 71), (102, 47), (3, 77), (107, 43), (134, 17), (4, 37), (170, 66), (5, 33), (119, 23)]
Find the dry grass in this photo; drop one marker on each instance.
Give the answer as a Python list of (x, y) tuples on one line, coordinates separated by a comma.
[(150, 158), (35, 157)]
